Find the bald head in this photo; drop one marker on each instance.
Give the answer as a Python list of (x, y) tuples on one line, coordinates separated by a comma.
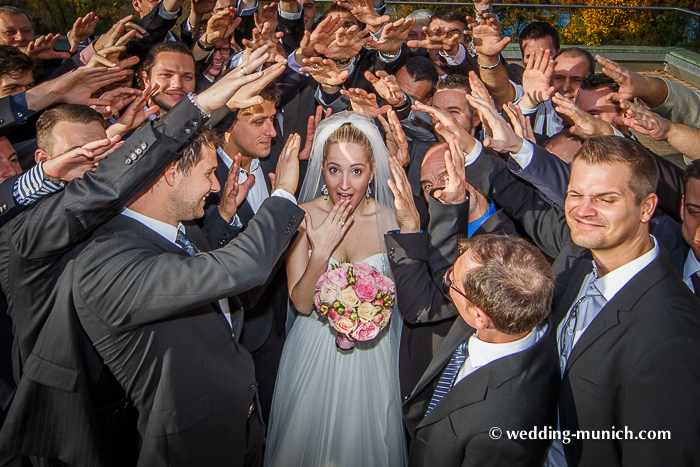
[(433, 170)]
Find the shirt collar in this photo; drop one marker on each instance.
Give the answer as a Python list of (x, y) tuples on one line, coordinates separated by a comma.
[(482, 353), (611, 283), (166, 231), (254, 164), (691, 265)]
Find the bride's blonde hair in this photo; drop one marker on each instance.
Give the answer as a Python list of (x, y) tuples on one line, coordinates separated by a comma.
[(349, 134)]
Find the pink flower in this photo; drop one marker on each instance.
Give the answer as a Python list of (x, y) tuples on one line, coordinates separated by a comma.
[(332, 314), (386, 315), (365, 331), (385, 284), (317, 300), (345, 325), (362, 269), (328, 292), (321, 280), (338, 277), (366, 290)]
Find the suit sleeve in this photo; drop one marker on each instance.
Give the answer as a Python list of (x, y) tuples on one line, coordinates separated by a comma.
[(670, 188), (544, 223), (661, 397), (547, 173), (156, 27), (484, 452), (218, 231), (293, 30), (127, 284), (682, 105), (59, 222)]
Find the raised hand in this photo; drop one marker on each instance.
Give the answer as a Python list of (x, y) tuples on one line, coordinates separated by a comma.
[(136, 113), (631, 84), (346, 44), (585, 124), (455, 192), (119, 29), (322, 35), (393, 36), (504, 138), (311, 127), (479, 88), (42, 48), (325, 238), (78, 86), (109, 57), (248, 95), (286, 176), (447, 127), (362, 101), (234, 193), (220, 26), (395, 138), (263, 36), (438, 39), (387, 87), (537, 78), (406, 213), (644, 121), (521, 124), (118, 99), (83, 28), (324, 71), (486, 36), (74, 163), (267, 15), (365, 13)]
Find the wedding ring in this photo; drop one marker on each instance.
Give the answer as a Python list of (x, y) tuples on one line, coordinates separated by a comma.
[(243, 71), (342, 222)]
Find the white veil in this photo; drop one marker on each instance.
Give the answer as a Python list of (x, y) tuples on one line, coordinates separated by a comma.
[(384, 198)]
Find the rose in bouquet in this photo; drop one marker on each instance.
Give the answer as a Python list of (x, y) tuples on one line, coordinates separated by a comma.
[(357, 300)]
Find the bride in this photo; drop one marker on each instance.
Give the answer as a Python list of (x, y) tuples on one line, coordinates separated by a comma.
[(333, 407)]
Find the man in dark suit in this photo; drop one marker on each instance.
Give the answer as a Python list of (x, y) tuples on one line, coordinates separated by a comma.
[(147, 299), (496, 370), (622, 362)]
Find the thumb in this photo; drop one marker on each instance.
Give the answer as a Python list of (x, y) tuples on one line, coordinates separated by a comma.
[(249, 181), (272, 180), (309, 224)]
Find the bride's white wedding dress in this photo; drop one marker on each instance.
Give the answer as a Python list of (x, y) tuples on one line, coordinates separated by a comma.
[(335, 408)]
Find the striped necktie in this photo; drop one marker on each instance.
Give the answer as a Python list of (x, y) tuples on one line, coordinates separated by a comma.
[(449, 375), (182, 241)]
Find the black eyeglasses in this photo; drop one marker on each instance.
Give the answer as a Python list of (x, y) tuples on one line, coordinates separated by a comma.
[(447, 280)]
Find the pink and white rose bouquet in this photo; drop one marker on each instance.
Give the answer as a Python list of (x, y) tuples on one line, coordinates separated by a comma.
[(356, 300)]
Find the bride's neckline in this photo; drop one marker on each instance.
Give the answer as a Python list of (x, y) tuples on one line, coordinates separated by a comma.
[(361, 261)]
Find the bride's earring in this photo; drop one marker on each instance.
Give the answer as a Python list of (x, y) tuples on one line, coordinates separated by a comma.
[(368, 191), (324, 190)]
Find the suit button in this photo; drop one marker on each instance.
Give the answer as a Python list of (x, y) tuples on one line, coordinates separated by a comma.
[(133, 156), (286, 231), (138, 151), (221, 242), (144, 146), (2, 121), (405, 398), (188, 131), (226, 236), (392, 250), (253, 386), (127, 161), (294, 220), (194, 124)]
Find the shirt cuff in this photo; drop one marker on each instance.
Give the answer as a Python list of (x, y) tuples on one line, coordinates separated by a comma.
[(524, 156), (456, 59), (33, 184), (249, 12), (291, 16), (292, 63), (284, 194), (166, 14), (376, 36), (87, 53), (236, 222), (389, 58), (470, 158), (186, 26)]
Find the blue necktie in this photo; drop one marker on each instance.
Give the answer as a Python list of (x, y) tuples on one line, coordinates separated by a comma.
[(182, 241), (449, 375)]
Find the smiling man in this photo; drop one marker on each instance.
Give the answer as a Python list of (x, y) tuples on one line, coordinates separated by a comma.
[(17, 71), (170, 65), (15, 27), (626, 323)]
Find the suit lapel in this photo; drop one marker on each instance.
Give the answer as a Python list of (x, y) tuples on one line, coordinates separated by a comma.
[(459, 332), (574, 281)]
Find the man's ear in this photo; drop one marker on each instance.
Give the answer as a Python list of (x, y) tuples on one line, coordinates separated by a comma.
[(40, 155), (481, 319), (144, 76), (476, 119), (682, 208), (172, 174), (648, 206)]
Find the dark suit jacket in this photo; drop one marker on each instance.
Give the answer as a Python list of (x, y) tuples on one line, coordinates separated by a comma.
[(515, 393), (630, 367), (35, 244), (147, 307)]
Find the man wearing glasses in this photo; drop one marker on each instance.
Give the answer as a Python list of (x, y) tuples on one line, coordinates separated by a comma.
[(216, 64)]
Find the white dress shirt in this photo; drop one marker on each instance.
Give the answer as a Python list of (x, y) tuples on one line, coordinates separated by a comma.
[(482, 353), (169, 232), (691, 266), (257, 193), (608, 286)]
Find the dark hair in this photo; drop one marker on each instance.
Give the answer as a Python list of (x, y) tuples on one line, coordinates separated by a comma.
[(15, 63), (575, 52), (599, 80), (336, 8), (269, 93), (450, 15), (691, 171), (152, 56), (192, 149), (539, 30), (513, 283), (563, 134), (422, 69), (11, 10), (454, 81), (615, 150), (73, 113)]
